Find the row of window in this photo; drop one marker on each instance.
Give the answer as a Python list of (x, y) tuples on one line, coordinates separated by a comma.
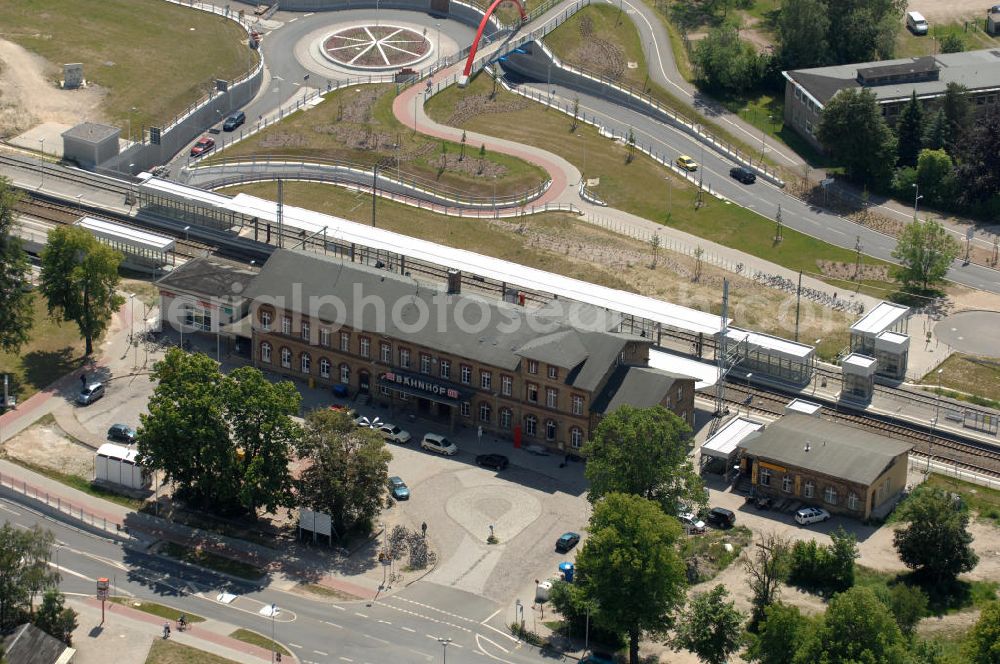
[(830, 494), (531, 392)]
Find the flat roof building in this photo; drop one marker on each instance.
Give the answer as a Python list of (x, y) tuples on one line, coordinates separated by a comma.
[(845, 470), (893, 82)]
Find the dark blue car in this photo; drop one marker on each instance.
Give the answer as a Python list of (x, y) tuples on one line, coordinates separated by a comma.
[(567, 542), (398, 488)]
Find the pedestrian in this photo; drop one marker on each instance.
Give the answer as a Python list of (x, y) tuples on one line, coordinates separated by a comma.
[(166, 630), (423, 528), (83, 380)]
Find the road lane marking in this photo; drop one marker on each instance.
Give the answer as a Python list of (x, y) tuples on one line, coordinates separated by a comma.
[(410, 630), (375, 638), (491, 617), (320, 652), (385, 622), (339, 608), (295, 645), (360, 615), (332, 624), (346, 659), (491, 642)]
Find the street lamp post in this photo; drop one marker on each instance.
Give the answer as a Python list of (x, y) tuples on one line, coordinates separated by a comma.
[(274, 610), (916, 198), (41, 143), (749, 393), (131, 334), (130, 112), (937, 414), (186, 229), (438, 26), (445, 642)]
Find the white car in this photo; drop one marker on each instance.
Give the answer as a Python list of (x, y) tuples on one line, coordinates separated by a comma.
[(809, 515), (691, 522), (394, 434), (436, 443)]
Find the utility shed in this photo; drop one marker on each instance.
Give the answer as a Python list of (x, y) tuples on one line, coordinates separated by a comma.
[(838, 467), (90, 144), (116, 464)]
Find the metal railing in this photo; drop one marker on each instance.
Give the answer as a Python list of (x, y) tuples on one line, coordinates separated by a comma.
[(58, 504)]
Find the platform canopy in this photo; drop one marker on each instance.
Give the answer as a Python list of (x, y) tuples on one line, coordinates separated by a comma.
[(128, 236), (724, 443)]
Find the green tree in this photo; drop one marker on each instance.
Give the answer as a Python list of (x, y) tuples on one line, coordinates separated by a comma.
[(907, 603), (766, 567), (843, 552), (936, 176), (710, 627), (857, 628), (348, 470), (952, 43), (24, 570), (936, 135), (79, 279), (54, 618), (983, 643), (862, 30), (643, 452), (910, 131), (936, 540), (726, 63), (802, 27), (853, 130), (630, 569), (979, 165), (185, 433), (781, 629), (925, 251), (826, 569), (958, 111), (260, 413), (16, 311)]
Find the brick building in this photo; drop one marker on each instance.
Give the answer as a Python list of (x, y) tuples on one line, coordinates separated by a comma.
[(837, 467), (543, 376)]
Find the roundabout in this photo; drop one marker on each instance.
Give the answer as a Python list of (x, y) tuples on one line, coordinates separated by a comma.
[(971, 332), (376, 47)]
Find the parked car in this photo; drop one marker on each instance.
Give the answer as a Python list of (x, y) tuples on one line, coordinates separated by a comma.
[(916, 22), (598, 657), (204, 144), (340, 390), (433, 442), (341, 408), (494, 461), (121, 433), (743, 174), (567, 541), (398, 488), (234, 121), (687, 163), (90, 394), (691, 522), (809, 515), (394, 434), (720, 517)]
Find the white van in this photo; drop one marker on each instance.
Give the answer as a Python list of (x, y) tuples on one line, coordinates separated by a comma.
[(916, 22)]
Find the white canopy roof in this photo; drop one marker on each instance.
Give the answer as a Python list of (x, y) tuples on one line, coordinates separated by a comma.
[(132, 236), (728, 438)]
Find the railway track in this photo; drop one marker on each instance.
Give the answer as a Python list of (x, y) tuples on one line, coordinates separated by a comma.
[(937, 444), (72, 174)]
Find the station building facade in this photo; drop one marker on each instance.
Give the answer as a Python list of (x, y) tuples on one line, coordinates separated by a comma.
[(540, 376)]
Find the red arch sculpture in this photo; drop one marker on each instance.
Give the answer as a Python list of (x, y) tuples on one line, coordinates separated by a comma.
[(482, 26)]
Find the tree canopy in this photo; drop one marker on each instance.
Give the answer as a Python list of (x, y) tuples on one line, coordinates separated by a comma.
[(935, 541), (79, 278), (726, 63), (24, 571), (983, 643), (813, 33), (925, 251), (629, 567), (856, 627), (979, 163), (643, 452), (348, 469), (910, 131), (936, 176), (855, 133), (778, 634), (16, 312), (802, 27), (710, 627)]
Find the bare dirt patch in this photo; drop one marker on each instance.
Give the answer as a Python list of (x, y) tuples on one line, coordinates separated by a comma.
[(848, 271), (936, 11), (598, 54), (29, 96), (46, 445)]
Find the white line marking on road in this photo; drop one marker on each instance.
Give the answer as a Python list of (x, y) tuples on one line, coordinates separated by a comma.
[(385, 622), (410, 630), (62, 569), (7, 509), (500, 632), (491, 616), (346, 659), (422, 654), (333, 624), (339, 608), (431, 636), (360, 615), (491, 641), (308, 15), (320, 652), (293, 20), (375, 638), (295, 645)]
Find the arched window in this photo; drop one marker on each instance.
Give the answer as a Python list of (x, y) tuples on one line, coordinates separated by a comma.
[(286, 358), (506, 415), (265, 353), (324, 367), (550, 429), (484, 412), (305, 362), (530, 425), (576, 437), (345, 373)]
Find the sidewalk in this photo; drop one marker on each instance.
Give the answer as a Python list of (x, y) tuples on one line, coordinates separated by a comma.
[(128, 634)]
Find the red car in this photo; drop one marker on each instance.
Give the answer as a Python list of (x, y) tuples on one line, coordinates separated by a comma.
[(204, 144)]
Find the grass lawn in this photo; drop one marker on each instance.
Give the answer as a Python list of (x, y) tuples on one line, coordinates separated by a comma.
[(138, 50), (909, 45), (766, 112), (79, 483), (253, 638), (642, 186), (569, 42), (53, 350), (171, 652), (212, 561), (976, 379), (960, 596), (356, 124), (709, 550), (155, 609), (983, 500)]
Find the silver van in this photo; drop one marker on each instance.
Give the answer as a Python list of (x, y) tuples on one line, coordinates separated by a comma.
[(916, 22), (90, 394), (437, 443)]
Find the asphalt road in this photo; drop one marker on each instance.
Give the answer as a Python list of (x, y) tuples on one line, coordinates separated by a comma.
[(402, 627)]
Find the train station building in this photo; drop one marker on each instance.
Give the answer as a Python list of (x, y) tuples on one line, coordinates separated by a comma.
[(540, 375)]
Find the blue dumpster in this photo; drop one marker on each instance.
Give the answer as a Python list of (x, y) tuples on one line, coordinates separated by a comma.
[(567, 571)]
